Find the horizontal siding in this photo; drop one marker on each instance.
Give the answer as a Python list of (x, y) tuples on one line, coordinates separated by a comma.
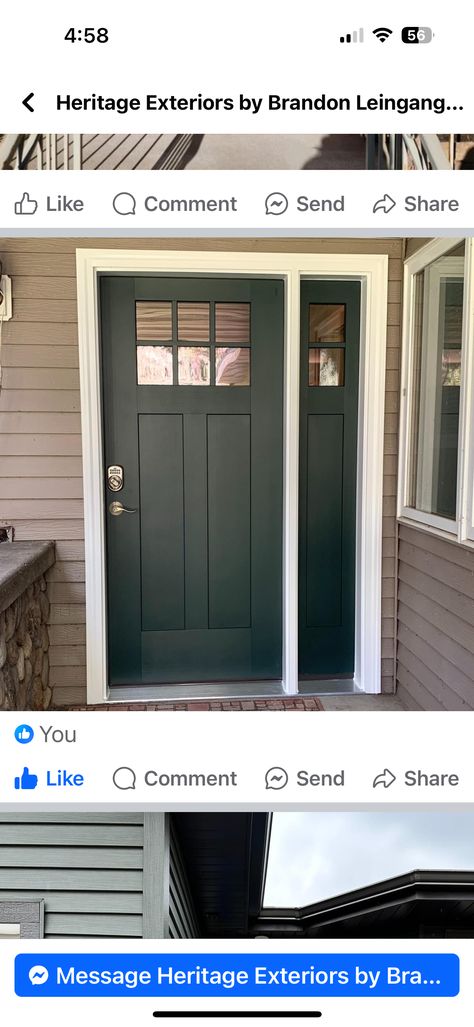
[(88, 868), (40, 422), (435, 651), (40, 445), (392, 397)]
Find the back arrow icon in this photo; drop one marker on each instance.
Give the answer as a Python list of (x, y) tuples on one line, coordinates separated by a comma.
[(26, 102)]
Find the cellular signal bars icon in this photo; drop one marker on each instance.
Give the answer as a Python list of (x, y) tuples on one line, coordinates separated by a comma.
[(357, 36)]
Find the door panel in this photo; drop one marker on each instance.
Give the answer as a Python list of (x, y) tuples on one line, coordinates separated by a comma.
[(229, 521), (330, 330), (324, 520), (193, 399), (161, 523)]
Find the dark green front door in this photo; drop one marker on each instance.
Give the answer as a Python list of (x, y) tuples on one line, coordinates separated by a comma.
[(330, 331), (193, 400)]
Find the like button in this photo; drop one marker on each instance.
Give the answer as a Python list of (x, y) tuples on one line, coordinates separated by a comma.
[(27, 781)]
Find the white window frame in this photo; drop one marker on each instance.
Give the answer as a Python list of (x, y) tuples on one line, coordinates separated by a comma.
[(21, 918), (372, 271), (460, 529)]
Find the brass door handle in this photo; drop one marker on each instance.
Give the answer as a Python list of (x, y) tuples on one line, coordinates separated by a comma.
[(117, 509)]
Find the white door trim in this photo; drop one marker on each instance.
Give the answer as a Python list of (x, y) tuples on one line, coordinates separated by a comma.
[(372, 271)]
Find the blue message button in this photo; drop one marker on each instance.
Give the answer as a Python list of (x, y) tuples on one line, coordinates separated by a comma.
[(275, 975)]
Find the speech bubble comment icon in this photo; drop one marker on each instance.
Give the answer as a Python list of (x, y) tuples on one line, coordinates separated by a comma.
[(276, 778), (124, 203), (124, 778), (38, 975)]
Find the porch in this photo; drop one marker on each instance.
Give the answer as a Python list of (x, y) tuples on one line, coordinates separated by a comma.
[(426, 658), (102, 152)]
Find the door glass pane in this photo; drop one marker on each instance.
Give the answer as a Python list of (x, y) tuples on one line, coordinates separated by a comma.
[(327, 322), (154, 365), (437, 372), (193, 365), (193, 322), (232, 322), (232, 366), (154, 322), (326, 367)]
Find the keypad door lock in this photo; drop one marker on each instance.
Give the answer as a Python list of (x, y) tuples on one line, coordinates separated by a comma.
[(115, 477)]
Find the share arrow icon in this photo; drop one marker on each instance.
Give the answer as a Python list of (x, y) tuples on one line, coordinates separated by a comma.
[(386, 779), (384, 205)]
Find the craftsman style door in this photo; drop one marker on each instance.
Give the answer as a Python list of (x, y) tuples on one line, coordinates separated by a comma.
[(192, 383)]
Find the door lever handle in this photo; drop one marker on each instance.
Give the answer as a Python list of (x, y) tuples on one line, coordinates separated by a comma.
[(117, 509)]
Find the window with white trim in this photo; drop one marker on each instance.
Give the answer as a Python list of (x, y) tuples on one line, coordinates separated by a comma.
[(10, 931), (434, 418)]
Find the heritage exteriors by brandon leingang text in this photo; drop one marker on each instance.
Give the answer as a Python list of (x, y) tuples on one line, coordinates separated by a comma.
[(254, 104)]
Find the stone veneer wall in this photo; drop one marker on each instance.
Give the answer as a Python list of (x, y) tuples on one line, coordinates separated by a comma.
[(24, 639), (24, 644)]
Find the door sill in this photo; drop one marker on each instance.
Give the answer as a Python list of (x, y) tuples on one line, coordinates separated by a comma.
[(225, 690)]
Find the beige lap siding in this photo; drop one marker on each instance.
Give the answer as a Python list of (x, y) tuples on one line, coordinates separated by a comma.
[(435, 622), (40, 434)]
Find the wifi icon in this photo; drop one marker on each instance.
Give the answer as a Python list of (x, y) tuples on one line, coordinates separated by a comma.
[(382, 34)]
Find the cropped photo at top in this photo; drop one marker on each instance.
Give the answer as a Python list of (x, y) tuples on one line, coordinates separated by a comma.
[(132, 152), (237, 474)]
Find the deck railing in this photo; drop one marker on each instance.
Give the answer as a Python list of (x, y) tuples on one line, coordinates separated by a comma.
[(43, 152), (410, 152)]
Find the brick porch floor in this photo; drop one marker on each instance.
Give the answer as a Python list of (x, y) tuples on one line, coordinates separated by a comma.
[(289, 703)]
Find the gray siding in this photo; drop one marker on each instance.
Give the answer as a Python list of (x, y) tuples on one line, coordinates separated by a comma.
[(182, 915), (88, 868), (435, 665)]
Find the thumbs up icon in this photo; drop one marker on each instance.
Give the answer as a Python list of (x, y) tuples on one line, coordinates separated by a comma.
[(27, 781), (26, 205)]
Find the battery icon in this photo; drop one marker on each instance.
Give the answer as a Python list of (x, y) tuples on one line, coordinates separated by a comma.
[(417, 34)]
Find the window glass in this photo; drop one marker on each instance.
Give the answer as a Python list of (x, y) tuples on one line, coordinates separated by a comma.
[(436, 377)]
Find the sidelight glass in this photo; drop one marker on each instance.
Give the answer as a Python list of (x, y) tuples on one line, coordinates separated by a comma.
[(327, 322), (154, 365), (154, 322), (232, 323), (436, 377), (232, 365), (194, 322), (194, 365), (326, 367)]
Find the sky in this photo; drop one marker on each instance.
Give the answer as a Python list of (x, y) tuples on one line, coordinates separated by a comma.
[(319, 855)]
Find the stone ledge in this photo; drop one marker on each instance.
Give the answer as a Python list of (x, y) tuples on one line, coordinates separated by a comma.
[(22, 563)]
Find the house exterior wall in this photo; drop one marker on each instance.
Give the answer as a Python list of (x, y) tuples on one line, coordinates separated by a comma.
[(435, 651), (40, 429), (182, 915), (88, 868)]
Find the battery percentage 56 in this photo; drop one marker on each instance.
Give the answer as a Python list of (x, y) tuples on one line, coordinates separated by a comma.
[(417, 34)]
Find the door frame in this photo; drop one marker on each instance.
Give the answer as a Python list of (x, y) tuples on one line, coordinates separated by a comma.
[(372, 271)]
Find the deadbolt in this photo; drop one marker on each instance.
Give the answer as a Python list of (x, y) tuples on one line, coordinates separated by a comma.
[(115, 477)]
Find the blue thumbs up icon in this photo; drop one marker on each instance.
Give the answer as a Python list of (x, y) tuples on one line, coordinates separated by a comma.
[(27, 781), (24, 733)]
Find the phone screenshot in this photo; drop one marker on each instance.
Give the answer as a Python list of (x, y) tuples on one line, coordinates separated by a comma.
[(236, 482)]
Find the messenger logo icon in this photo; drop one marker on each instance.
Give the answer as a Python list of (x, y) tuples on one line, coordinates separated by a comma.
[(38, 975)]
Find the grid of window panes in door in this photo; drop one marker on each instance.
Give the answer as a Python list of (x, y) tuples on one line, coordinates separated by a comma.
[(193, 343), (327, 341)]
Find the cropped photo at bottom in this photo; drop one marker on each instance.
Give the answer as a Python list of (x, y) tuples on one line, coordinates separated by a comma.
[(237, 875)]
